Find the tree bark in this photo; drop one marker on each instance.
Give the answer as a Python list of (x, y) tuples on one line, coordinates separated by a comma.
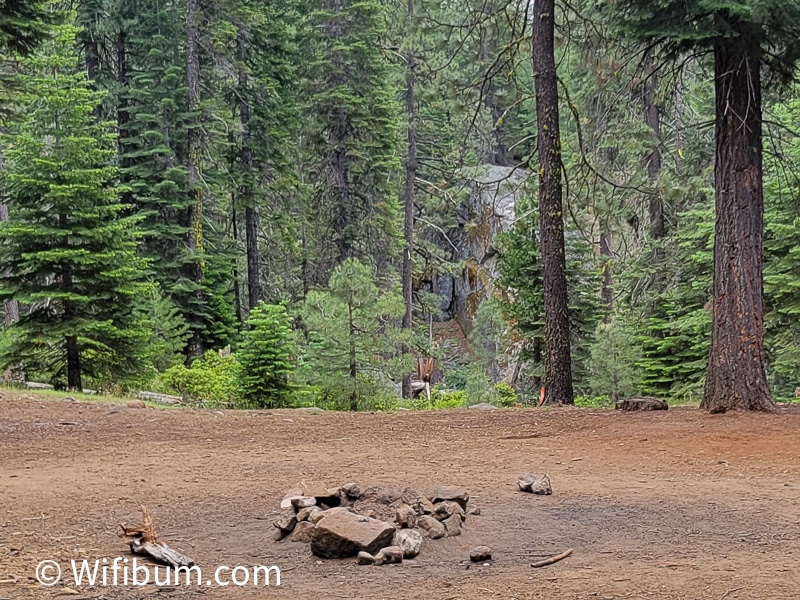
[(352, 359), (195, 210), (736, 376), (10, 307), (608, 279), (558, 367), (246, 194), (408, 202)]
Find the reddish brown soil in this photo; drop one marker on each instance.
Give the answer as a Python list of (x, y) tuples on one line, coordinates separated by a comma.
[(678, 504)]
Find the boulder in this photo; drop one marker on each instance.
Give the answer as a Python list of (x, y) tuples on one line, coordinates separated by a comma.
[(409, 540), (425, 506), (342, 534), (352, 491), (405, 516), (432, 528), (480, 554), (302, 532), (445, 492), (389, 555)]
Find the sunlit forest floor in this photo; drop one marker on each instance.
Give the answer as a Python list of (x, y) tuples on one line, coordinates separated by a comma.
[(677, 504)]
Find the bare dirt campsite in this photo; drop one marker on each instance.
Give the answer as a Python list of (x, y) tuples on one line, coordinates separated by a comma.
[(676, 504)]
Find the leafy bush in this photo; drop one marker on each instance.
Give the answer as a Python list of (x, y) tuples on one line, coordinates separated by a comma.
[(506, 396), (212, 379), (266, 358)]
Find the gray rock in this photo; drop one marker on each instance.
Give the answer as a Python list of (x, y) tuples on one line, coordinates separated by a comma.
[(475, 511), (286, 520), (484, 406), (447, 492), (365, 558), (352, 491), (405, 516), (409, 540), (389, 555), (302, 532), (452, 526), (432, 528), (480, 553), (525, 481), (542, 486), (301, 502), (342, 534), (425, 506)]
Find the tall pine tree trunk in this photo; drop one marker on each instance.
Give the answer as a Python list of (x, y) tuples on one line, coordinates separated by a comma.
[(558, 366), (195, 209), (246, 195), (10, 307), (71, 346), (408, 202), (736, 376)]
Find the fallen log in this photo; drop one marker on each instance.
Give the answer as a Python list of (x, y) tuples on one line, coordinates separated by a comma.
[(552, 559), (142, 539), (646, 403)]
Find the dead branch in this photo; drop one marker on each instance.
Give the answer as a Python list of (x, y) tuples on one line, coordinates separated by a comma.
[(142, 539), (552, 559)]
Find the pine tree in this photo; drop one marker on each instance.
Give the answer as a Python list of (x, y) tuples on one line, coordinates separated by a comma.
[(356, 116), (746, 36), (265, 357), (69, 248)]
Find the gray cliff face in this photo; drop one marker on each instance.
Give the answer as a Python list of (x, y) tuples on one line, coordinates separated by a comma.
[(489, 211)]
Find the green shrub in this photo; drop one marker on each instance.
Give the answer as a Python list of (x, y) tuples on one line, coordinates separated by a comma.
[(212, 380), (266, 358), (506, 396), (594, 401)]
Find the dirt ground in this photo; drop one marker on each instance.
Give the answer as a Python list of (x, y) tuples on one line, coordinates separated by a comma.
[(677, 504)]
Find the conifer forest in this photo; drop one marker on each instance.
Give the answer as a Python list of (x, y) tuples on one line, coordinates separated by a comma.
[(373, 204)]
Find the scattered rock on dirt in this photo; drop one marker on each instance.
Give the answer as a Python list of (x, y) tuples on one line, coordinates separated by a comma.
[(389, 555), (344, 534), (480, 553), (646, 403), (409, 540), (535, 485)]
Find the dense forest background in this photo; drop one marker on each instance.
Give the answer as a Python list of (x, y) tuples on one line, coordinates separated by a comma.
[(238, 201)]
